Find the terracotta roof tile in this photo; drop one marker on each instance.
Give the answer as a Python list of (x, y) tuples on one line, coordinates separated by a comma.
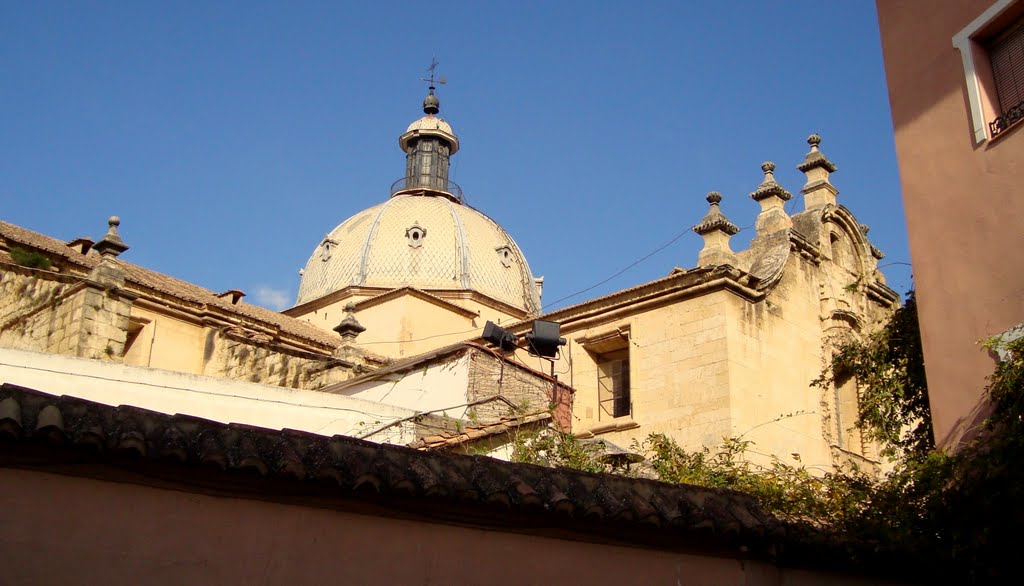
[(665, 515), (28, 415), (450, 439)]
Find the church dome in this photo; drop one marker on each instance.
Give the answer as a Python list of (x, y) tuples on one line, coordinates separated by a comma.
[(424, 236), (423, 241)]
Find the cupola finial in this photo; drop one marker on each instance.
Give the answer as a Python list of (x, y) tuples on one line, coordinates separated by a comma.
[(431, 105)]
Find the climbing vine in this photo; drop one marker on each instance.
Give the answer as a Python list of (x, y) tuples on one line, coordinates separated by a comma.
[(957, 516), (889, 369)]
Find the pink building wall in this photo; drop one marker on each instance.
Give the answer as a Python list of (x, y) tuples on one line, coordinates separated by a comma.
[(964, 204), (67, 529)]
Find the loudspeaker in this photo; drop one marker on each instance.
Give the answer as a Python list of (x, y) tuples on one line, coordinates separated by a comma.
[(500, 337), (544, 339)]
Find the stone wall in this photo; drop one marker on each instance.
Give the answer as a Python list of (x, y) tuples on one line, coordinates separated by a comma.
[(46, 311), (235, 354), (62, 314), (528, 393)]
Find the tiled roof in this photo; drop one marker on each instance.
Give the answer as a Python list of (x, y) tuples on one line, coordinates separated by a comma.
[(488, 491), (471, 433), (176, 288)]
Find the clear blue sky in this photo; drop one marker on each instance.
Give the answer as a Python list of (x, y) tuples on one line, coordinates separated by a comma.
[(231, 136)]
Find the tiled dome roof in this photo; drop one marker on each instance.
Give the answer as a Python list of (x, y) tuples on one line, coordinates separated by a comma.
[(430, 123), (425, 242)]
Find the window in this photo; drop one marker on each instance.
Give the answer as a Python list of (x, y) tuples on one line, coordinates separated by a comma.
[(1006, 55), (505, 255), (847, 399), (415, 235), (325, 249), (613, 384), (610, 352), (992, 50)]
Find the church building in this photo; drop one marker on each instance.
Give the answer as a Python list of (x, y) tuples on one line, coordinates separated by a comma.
[(397, 296)]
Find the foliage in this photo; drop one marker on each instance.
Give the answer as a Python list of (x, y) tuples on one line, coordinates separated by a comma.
[(973, 512), (791, 492), (32, 259), (889, 368), (553, 448), (958, 516)]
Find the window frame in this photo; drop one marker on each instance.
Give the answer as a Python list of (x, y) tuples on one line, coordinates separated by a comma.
[(614, 386), (611, 344), (977, 69)]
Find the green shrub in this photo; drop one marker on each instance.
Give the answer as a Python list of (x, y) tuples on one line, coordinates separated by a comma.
[(32, 259)]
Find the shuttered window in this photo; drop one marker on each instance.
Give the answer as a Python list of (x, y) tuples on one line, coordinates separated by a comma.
[(613, 384), (1006, 54)]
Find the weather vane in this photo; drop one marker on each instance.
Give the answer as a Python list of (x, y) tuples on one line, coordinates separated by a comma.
[(432, 80)]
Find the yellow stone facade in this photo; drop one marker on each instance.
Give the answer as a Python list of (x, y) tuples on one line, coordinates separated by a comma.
[(727, 349), (85, 305)]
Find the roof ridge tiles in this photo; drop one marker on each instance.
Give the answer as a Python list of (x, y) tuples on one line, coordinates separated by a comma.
[(601, 503)]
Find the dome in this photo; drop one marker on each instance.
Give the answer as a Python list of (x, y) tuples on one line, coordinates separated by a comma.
[(421, 241)]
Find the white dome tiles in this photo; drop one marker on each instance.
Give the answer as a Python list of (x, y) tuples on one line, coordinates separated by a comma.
[(430, 123), (426, 242)]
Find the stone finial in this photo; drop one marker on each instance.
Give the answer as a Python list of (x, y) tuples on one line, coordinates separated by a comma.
[(818, 191), (716, 230), (772, 197), (815, 158), (108, 272), (715, 220), (769, 188), (349, 328), (111, 245)]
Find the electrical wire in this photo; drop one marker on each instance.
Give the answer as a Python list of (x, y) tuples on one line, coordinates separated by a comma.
[(580, 292), (633, 264), (419, 339)]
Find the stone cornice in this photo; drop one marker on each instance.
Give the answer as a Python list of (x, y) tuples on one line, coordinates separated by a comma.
[(652, 294), (441, 294), (419, 294)]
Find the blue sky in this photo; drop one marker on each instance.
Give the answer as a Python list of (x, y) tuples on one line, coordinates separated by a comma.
[(231, 136)]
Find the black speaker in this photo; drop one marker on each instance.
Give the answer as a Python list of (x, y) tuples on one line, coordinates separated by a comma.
[(544, 339), (500, 337)]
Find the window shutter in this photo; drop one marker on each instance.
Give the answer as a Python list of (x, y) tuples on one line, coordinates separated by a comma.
[(1006, 53)]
